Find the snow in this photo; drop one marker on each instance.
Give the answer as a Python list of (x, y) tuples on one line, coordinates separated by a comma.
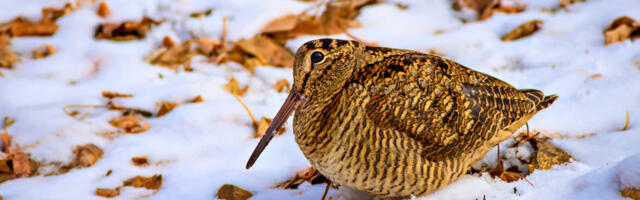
[(199, 147)]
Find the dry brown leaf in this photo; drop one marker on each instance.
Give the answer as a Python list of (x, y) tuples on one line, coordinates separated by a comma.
[(232, 192), (4, 167), (233, 88), (7, 122), (140, 161), (2, 74), (596, 76), (310, 175), (107, 193), (86, 155), (630, 192), (284, 23), (151, 183), (168, 42), (267, 50), (43, 51), (52, 14), (104, 10), (129, 30), (21, 164), (197, 99), (174, 56), (6, 140), (524, 30), (7, 56), (566, 3), (281, 84), (486, 8), (621, 29), (20, 27), (261, 127), (546, 155), (201, 14), (208, 46), (165, 107), (130, 123), (111, 95)]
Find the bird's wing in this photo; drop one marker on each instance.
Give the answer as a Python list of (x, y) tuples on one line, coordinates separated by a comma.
[(447, 107)]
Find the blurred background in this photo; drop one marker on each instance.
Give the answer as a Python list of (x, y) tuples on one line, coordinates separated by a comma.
[(166, 99)]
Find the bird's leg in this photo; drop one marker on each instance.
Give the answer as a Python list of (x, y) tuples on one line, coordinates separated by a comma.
[(326, 190)]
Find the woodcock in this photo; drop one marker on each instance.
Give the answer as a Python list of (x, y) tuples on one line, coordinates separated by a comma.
[(396, 123)]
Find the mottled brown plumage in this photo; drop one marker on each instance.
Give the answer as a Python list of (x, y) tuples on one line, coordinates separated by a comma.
[(396, 123)]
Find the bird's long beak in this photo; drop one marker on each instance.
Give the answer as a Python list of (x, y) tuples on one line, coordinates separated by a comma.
[(293, 101)]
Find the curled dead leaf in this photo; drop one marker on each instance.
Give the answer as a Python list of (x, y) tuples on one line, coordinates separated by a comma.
[(129, 30), (167, 42), (281, 84), (485, 8), (174, 56), (232, 192), (7, 56), (151, 183), (86, 155), (165, 107), (197, 99), (262, 126), (524, 30), (43, 51), (621, 29), (267, 51), (52, 14), (20, 27), (108, 193), (103, 9), (233, 88), (130, 124), (630, 192), (310, 175), (546, 155), (111, 95), (140, 161), (21, 164)]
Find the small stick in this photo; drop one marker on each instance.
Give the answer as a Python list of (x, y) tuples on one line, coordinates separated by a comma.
[(626, 123)]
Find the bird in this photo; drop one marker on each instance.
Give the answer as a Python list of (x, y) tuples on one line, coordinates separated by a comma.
[(396, 123)]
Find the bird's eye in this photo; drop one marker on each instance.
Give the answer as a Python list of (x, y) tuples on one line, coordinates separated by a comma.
[(317, 57)]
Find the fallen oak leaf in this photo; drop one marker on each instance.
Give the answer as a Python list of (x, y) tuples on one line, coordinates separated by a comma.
[(621, 29), (108, 193), (232, 192), (165, 107), (86, 155), (630, 192), (151, 183), (20, 27), (7, 56), (267, 50), (128, 30), (140, 161), (103, 9), (130, 124), (21, 164), (310, 175), (43, 51), (261, 127), (173, 56), (197, 99), (233, 88), (281, 84), (546, 155), (524, 30)]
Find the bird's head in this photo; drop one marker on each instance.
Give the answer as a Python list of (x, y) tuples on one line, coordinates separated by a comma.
[(321, 68)]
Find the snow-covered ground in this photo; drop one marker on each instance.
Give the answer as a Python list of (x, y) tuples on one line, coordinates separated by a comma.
[(199, 147)]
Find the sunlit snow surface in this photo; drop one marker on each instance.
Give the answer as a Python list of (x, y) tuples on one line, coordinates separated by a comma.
[(202, 146)]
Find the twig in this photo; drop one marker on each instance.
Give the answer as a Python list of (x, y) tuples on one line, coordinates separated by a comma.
[(626, 123)]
